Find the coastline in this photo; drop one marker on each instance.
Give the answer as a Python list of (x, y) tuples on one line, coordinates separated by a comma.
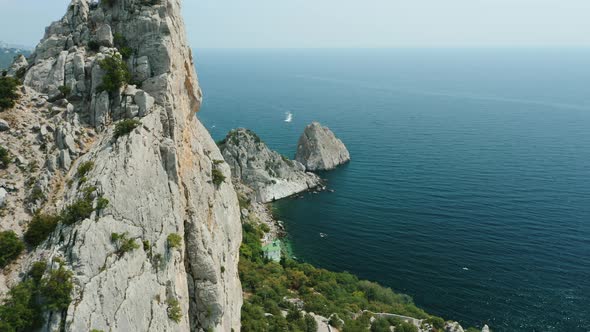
[(262, 217)]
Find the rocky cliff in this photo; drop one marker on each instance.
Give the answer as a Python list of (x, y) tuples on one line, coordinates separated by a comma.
[(271, 175), (108, 116), (318, 149)]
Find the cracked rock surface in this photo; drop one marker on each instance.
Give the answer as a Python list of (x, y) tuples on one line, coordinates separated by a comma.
[(271, 175), (158, 178)]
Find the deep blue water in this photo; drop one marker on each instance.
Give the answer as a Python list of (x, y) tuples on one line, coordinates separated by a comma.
[(469, 187)]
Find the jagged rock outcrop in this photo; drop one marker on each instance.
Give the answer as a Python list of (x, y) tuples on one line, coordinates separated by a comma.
[(157, 177), (4, 126), (269, 174), (453, 327), (318, 149), (19, 63)]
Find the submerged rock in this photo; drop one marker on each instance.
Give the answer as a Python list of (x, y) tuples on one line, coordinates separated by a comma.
[(319, 149), (271, 175)]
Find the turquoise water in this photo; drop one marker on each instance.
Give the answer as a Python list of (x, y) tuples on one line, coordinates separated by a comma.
[(469, 187)]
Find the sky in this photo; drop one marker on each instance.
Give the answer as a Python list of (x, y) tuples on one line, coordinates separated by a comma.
[(347, 23)]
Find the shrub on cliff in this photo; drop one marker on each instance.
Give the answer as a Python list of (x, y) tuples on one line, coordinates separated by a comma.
[(78, 211), (23, 306), (116, 74), (125, 127), (5, 157), (10, 247), (56, 288), (39, 228), (8, 92), (84, 169), (218, 177), (124, 243), (174, 311), (174, 241), (19, 311)]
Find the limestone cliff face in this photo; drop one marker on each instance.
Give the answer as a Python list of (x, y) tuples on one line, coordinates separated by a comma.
[(158, 178), (269, 174)]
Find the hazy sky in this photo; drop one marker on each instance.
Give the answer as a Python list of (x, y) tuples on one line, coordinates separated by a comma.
[(348, 23)]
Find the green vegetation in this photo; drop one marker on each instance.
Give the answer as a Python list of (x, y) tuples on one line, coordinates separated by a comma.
[(124, 243), (102, 203), (55, 290), (10, 247), (121, 44), (42, 225), (232, 137), (22, 308), (244, 201), (39, 228), (116, 74), (19, 310), (94, 46), (174, 241), (5, 157), (147, 246), (84, 169), (384, 324), (38, 270), (8, 92), (77, 211), (20, 73), (174, 311), (322, 292), (36, 195), (109, 3), (124, 127), (64, 90), (218, 177)]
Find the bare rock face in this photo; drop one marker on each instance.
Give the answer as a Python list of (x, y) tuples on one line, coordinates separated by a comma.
[(453, 327), (158, 177), (318, 149), (269, 174)]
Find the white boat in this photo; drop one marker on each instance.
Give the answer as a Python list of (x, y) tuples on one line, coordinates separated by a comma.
[(289, 117)]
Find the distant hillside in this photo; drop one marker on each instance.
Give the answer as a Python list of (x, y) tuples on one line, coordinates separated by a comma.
[(7, 54)]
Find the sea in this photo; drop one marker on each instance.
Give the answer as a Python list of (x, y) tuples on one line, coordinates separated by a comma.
[(469, 185)]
